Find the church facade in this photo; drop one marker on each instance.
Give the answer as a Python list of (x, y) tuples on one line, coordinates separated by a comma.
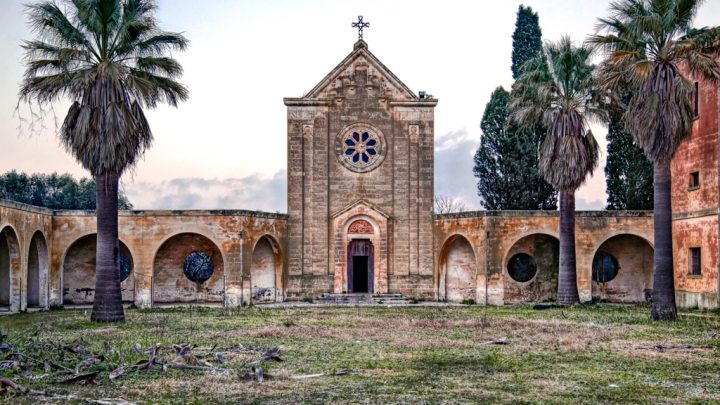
[(360, 221)]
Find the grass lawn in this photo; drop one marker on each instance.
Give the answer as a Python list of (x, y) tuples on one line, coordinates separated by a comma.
[(588, 354)]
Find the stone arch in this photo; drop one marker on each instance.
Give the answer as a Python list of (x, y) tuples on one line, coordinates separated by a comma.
[(169, 283), (37, 272), (458, 270), (266, 277), (78, 272), (633, 254), (10, 268), (544, 251)]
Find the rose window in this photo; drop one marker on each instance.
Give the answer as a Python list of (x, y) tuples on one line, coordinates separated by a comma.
[(361, 148)]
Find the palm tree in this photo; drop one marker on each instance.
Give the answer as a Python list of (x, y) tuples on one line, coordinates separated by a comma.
[(646, 42), (108, 58), (557, 89)]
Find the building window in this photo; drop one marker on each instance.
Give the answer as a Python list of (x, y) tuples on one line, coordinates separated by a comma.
[(694, 180), (605, 267), (695, 268), (522, 267), (696, 95)]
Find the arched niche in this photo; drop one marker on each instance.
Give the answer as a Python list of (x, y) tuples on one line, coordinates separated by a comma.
[(530, 271), (170, 282), (458, 271), (9, 269), (78, 272), (622, 270), (266, 271), (37, 276)]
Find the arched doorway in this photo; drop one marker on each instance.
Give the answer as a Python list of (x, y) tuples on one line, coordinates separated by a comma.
[(9, 267), (37, 272), (458, 271), (265, 271), (531, 269), (622, 270), (188, 268), (361, 266), (78, 272)]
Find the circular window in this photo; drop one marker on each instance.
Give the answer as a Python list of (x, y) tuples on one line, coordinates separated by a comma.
[(198, 267), (125, 267), (605, 267), (522, 267), (361, 148)]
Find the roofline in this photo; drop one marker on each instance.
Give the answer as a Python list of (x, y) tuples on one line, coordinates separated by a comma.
[(359, 47)]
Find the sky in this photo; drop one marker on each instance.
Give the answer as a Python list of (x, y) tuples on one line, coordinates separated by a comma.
[(226, 146)]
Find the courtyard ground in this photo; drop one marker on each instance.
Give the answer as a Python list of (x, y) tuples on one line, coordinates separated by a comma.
[(415, 354)]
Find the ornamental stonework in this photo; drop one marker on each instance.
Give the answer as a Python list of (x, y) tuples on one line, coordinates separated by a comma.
[(361, 226), (360, 147)]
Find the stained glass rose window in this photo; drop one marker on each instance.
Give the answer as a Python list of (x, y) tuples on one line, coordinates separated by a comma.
[(198, 267), (361, 148)]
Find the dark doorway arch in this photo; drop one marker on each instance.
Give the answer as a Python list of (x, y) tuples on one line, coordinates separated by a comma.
[(78, 272), (37, 276), (9, 268), (530, 271), (266, 271), (458, 270), (361, 266), (188, 269), (622, 270)]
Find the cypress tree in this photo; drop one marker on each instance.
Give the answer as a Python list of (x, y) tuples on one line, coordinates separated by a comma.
[(527, 38), (506, 163), (628, 172)]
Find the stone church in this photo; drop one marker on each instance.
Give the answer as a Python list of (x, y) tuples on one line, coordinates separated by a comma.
[(360, 221)]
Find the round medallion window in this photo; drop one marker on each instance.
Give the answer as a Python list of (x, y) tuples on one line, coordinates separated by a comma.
[(522, 267), (361, 148), (605, 267), (198, 267), (125, 267)]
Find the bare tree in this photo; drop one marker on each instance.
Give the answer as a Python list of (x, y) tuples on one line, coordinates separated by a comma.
[(447, 205)]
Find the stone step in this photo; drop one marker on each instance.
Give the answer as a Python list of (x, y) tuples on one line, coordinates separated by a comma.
[(359, 298)]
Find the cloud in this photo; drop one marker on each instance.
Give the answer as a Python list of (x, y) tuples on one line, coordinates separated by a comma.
[(454, 163), (254, 192)]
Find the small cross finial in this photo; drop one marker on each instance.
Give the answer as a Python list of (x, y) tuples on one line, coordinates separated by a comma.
[(360, 25)]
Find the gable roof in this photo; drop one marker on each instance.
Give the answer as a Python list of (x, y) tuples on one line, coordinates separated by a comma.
[(360, 51)]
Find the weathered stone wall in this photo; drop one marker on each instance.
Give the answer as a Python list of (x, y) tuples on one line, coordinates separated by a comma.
[(696, 209), (497, 235), (78, 273), (545, 250), (19, 225), (359, 91), (157, 244), (633, 282)]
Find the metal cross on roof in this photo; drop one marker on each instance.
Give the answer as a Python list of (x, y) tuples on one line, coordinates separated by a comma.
[(360, 25)]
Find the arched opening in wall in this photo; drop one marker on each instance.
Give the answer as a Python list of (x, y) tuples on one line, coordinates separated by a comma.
[(78, 272), (531, 269), (458, 271), (37, 276), (188, 269), (265, 271), (9, 266), (622, 270)]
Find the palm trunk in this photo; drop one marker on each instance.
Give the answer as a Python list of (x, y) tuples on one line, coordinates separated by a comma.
[(663, 293), (107, 306), (567, 279)]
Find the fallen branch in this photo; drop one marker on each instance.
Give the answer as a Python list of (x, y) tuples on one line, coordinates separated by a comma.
[(88, 378), (6, 382)]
